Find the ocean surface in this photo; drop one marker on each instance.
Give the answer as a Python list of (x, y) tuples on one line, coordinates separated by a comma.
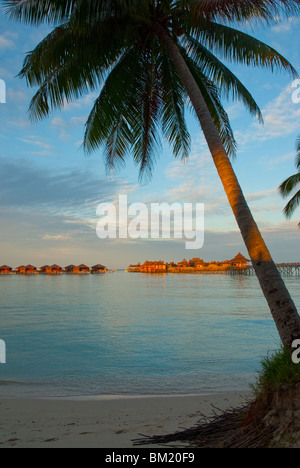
[(133, 334)]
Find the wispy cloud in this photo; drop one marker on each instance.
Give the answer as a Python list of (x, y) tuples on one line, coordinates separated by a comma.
[(286, 25), (281, 118), (7, 41)]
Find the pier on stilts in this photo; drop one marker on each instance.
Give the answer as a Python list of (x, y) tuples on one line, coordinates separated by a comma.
[(285, 269)]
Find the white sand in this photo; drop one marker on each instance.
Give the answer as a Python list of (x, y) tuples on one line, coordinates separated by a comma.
[(110, 422)]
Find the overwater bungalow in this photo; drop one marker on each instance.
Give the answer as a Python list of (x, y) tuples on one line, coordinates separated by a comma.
[(5, 270), (82, 269), (54, 270), (240, 261), (98, 269), (26, 270), (43, 269), (69, 269), (30, 270), (21, 270)]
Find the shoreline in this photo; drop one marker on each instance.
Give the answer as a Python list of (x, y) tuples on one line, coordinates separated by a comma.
[(104, 421)]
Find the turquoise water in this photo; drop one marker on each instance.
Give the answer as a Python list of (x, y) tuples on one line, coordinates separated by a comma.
[(133, 334)]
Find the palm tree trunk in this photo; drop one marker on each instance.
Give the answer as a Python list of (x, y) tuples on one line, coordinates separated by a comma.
[(280, 302)]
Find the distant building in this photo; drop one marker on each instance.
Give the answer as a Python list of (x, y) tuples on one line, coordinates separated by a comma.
[(153, 267), (5, 270), (43, 269), (21, 270), (69, 269), (183, 264), (26, 270), (239, 261), (55, 270), (81, 269), (98, 269), (51, 270)]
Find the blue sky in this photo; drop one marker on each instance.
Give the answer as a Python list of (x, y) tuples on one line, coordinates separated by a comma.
[(49, 190)]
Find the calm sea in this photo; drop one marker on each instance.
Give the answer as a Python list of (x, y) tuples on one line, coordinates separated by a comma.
[(125, 333)]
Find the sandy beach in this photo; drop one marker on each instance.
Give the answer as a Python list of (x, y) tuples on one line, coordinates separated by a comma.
[(103, 422)]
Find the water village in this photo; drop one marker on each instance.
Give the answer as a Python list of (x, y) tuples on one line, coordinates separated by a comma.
[(238, 265), (191, 266), (53, 270)]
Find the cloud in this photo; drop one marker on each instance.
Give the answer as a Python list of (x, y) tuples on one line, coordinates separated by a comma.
[(37, 142), (286, 25), (281, 118), (6, 42), (56, 237), (65, 126), (23, 185)]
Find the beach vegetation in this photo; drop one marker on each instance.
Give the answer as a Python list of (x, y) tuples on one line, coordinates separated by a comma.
[(277, 369), (149, 60)]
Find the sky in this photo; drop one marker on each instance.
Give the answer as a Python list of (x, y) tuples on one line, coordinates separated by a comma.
[(50, 190)]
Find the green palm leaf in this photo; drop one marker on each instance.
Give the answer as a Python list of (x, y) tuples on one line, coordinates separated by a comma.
[(289, 185)]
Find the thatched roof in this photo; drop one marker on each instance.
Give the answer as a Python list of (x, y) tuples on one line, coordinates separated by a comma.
[(239, 258)]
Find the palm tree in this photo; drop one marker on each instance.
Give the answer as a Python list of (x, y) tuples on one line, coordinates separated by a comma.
[(288, 186), (149, 57)]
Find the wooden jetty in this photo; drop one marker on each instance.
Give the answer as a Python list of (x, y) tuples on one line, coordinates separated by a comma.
[(285, 269)]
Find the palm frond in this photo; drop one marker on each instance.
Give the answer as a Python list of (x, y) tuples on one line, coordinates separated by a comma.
[(298, 154), (145, 133), (290, 208), (211, 95), (64, 46), (36, 12), (239, 47), (241, 10), (174, 100), (289, 184), (67, 65), (114, 112), (221, 76)]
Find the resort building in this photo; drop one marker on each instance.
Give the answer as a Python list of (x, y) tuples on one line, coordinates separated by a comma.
[(5, 270), (26, 270), (98, 269), (81, 269), (21, 270), (240, 261), (69, 269), (153, 267), (195, 265), (44, 269), (55, 270), (183, 264)]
